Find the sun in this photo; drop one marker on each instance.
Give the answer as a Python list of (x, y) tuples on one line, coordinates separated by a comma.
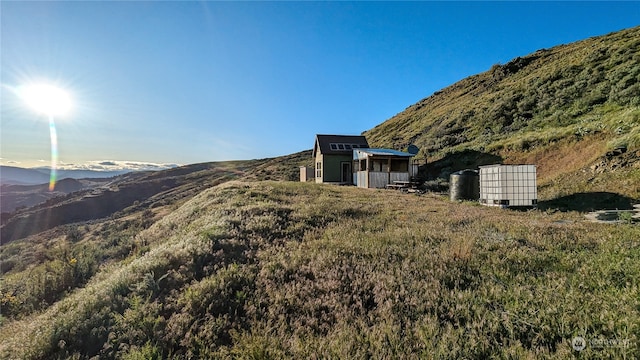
[(46, 99), (51, 101)]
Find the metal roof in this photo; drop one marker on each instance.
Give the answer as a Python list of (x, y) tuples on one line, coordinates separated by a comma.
[(384, 152)]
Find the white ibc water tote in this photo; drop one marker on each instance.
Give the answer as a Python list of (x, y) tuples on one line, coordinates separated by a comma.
[(508, 185)]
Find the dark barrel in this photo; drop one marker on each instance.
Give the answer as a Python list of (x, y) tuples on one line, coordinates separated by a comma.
[(464, 185)]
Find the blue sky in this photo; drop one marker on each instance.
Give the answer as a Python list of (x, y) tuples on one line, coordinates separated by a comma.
[(190, 81)]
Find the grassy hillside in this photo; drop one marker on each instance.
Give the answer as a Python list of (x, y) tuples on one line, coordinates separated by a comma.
[(216, 260), (291, 270), (566, 109), (146, 190)]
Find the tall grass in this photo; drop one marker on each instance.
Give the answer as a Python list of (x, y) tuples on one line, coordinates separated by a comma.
[(290, 270)]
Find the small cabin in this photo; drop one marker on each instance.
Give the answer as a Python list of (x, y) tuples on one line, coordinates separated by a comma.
[(333, 155), (378, 168), (508, 185)]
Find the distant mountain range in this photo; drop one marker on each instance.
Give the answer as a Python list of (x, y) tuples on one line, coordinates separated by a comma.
[(23, 196), (572, 110), (34, 176), (22, 188)]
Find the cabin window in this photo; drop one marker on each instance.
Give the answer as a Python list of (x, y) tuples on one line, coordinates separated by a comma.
[(379, 165), (400, 165), (338, 146), (363, 165), (319, 169)]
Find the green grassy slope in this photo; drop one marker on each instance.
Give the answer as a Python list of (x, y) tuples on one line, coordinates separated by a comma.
[(291, 270), (562, 108)]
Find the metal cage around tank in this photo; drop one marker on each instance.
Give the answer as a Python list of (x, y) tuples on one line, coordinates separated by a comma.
[(508, 185)]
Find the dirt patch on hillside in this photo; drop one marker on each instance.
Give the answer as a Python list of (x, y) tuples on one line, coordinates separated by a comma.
[(562, 157)]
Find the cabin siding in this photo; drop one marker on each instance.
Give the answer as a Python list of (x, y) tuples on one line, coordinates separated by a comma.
[(333, 167), (399, 176), (362, 179), (319, 167), (378, 179), (330, 167)]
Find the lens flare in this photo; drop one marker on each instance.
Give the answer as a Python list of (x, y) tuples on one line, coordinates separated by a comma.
[(51, 101), (54, 153)]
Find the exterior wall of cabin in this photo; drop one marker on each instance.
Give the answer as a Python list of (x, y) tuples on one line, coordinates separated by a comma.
[(319, 168), (329, 168), (378, 179)]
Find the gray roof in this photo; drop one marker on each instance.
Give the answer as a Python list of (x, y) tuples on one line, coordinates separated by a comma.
[(385, 152), (323, 144)]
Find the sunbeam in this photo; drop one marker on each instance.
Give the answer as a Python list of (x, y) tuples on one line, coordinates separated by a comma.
[(51, 101)]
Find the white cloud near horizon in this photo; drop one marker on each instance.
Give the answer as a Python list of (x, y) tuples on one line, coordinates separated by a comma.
[(118, 165), (104, 165)]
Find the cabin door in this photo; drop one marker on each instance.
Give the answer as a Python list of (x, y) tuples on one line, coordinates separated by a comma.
[(346, 176)]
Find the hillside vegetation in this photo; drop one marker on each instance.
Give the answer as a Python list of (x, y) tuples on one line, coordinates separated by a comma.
[(566, 109), (142, 190), (227, 260), (293, 270)]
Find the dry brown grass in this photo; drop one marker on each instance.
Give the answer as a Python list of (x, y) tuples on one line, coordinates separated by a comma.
[(560, 158), (290, 270)]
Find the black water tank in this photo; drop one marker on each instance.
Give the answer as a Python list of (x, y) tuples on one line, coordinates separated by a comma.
[(464, 185)]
